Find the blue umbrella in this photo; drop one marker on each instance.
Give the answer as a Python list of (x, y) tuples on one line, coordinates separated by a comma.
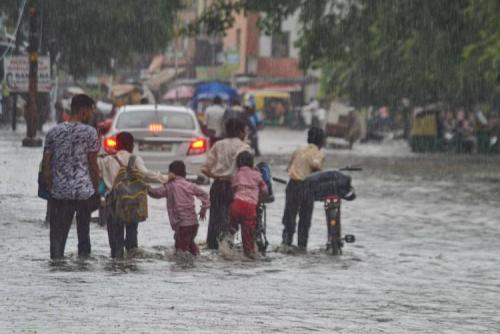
[(209, 90)]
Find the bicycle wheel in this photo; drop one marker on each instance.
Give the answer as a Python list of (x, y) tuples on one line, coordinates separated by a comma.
[(260, 230)]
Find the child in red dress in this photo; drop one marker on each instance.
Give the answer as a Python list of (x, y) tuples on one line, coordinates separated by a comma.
[(248, 187)]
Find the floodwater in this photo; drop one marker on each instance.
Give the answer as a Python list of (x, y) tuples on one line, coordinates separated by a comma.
[(425, 260)]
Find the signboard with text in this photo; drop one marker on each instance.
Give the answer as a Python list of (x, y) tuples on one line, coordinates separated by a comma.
[(17, 74), (232, 57)]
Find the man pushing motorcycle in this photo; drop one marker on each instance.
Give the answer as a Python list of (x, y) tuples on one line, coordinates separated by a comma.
[(304, 161)]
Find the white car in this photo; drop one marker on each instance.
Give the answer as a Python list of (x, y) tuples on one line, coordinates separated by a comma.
[(162, 134)]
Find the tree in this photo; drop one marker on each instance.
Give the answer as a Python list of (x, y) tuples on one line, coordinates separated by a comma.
[(88, 33), (219, 16), (387, 50), (379, 52), (483, 53)]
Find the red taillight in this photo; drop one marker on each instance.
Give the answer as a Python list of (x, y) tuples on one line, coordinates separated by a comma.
[(198, 146), (110, 144), (155, 127), (331, 199)]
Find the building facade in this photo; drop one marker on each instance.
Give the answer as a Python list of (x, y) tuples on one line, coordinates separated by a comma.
[(263, 55)]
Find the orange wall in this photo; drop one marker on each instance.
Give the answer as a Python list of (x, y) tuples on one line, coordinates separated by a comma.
[(253, 34), (279, 67), (249, 47), (249, 38)]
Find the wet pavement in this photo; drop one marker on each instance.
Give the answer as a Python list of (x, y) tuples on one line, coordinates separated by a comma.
[(425, 260)]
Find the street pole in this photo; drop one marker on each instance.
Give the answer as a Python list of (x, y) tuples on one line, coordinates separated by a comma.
[(32, 110), (16, 52), (176, 65), (176, 61)]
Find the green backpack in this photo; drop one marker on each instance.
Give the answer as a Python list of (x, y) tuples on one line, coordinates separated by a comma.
[(129, 195)]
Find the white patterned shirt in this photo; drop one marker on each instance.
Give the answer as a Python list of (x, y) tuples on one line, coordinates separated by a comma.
[(69, 145)]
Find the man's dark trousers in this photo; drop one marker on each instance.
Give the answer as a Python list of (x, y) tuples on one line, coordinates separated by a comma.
[(61, 218), (297, 201), (221, 196)]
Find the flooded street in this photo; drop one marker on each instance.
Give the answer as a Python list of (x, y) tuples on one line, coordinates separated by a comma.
[(425, 260)]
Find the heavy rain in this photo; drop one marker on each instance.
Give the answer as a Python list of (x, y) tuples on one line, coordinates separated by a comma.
[(184, 143)]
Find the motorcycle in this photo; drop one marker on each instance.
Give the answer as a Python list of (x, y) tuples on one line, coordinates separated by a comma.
[(335, 241), (331, 187)]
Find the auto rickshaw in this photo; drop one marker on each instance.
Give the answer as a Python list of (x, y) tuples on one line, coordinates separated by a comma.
[(125, 94), (430, 132), (424, 136), (273, 106)]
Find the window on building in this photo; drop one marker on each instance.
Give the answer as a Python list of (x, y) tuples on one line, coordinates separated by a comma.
[(280, 44), (238, 39)]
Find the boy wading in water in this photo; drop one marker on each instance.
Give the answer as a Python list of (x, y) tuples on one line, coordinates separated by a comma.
[(304, 162), (180, 195), (221, 166), (109, 167), (248, 188)]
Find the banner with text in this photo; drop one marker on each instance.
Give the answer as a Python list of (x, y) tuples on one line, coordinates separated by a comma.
[(17, 74)]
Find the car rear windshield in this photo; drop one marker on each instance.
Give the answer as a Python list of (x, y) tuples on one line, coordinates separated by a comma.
[(142, 119)]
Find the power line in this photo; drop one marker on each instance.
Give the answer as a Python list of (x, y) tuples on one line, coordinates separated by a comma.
[(19, 19)]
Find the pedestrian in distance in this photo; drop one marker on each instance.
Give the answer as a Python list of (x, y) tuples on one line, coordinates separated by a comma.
[(221, 166), (71, 174), (214, 120), (304, 162), (235, 110), (180, 195), (109, 168), (248, 188), (253, 125)]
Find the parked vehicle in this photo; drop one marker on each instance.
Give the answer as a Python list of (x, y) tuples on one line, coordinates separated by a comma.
[(424, 130), (274, 107), (162, 134), (381, 125), (434, 130), (343, 125)]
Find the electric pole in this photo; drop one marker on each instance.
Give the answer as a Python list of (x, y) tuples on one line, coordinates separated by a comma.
[(32, 110), (16, 53)]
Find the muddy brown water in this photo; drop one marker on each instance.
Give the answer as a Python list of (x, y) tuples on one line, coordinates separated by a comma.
[(425, 261)]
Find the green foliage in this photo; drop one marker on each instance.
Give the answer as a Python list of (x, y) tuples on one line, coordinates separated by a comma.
[(379, 52), (219, 16), (484, 52), (88, 33)]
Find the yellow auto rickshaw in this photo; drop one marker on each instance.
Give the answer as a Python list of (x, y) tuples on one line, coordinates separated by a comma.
[(424, 136), (274, 107)]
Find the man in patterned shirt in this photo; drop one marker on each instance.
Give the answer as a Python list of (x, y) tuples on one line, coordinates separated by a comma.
[(72, 175)]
